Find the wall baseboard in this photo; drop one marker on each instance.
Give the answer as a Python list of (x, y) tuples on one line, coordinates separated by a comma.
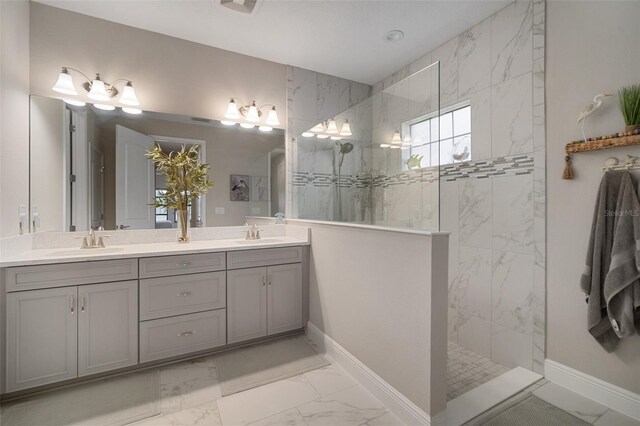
[(399, 404), (607, 394)]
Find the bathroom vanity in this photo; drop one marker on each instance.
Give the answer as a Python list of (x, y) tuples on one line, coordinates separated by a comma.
[(72, 316)]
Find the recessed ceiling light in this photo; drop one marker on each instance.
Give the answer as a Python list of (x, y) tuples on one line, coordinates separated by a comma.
[(393, 36)]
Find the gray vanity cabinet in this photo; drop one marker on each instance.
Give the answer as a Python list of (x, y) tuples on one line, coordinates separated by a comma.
[(41, 337), (107, 327), (246, 304), (62, 333), (263, 301), (284, 298)]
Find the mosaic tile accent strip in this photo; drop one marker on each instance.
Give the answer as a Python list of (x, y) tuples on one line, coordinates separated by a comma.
[(496, 167), (467, 370)]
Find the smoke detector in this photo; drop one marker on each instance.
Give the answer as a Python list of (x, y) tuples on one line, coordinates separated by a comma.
[(243, 6)]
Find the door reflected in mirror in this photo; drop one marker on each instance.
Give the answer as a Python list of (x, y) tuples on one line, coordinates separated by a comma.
[(89, 168)]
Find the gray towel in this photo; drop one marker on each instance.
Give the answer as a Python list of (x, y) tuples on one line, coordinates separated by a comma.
[(611, 279)]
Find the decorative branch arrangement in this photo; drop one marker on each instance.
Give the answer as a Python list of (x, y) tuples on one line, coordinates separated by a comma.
[(187, 180)]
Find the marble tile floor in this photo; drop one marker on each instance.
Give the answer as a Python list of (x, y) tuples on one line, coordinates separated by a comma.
[(574, 404), (190, 395), (467, 370)]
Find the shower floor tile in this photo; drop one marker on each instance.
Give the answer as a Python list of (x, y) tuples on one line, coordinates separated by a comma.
[(467, 370)]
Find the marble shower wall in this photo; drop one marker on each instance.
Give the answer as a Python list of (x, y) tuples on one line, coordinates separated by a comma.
[(494, 206), (313, 163)]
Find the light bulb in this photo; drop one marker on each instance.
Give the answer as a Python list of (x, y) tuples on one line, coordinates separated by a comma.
[(272, 118), (65, 83), (247, 125), (332, 128), (228, 123), (336, 138), (252, 114), (307, 135), (74, 102), (346, 129), (134, 111), (104, 107), (232, 110), (265, 128), (322, 136), (98, 90), (128, 96)]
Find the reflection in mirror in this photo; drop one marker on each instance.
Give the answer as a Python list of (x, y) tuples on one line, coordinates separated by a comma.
[(89, 168)]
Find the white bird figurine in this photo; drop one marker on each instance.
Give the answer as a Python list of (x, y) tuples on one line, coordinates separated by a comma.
[(590, 109)]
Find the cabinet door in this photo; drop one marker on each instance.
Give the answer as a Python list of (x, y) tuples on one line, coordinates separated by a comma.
[(246, 304), (107, 326), (284, 298), (41, 337)]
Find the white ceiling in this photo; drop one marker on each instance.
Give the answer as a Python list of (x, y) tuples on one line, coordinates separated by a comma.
[(344, 38)]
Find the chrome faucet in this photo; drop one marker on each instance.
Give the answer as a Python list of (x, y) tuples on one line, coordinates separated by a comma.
[(252, 233), (93, 240)]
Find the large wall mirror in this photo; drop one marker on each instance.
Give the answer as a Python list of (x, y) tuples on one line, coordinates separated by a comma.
[(89, 169)]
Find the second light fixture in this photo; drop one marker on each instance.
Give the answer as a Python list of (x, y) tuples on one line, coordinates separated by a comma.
[(249, 116)]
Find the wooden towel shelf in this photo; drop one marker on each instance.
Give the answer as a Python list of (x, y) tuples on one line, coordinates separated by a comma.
[(595, 145)]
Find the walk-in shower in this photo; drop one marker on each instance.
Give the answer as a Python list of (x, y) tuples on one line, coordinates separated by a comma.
[(366, 164)]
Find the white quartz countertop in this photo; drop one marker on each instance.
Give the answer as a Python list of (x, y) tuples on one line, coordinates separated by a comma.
[(69, 255)]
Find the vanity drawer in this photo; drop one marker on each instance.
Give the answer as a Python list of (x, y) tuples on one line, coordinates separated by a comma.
[(164, 297), (167, 337), (152, 267), (68, 274), (263, 257)]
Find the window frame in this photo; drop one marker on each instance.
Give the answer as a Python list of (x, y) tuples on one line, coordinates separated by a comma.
[(406, 129)]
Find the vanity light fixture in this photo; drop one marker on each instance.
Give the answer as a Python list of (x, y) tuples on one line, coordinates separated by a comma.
[(98, 90), (252, 115), (134, 111), (332, 127), (329, 128), (228, 123), (396, 141), (318, 128), (346, 129), (64, 84)]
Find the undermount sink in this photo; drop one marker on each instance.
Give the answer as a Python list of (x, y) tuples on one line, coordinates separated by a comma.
[(260, 241), (84, 252)]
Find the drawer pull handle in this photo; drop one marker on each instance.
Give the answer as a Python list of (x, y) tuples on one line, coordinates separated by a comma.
[(184, 294), (73, 305), (183, 265), (186, 333)]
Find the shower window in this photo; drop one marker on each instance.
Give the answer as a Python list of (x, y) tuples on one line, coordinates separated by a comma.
[(451, 145)]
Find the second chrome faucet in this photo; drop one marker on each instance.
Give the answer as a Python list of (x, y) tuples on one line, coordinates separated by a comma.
[(252, 233)]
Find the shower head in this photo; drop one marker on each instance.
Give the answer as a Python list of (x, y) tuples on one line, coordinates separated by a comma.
[(346, 147)]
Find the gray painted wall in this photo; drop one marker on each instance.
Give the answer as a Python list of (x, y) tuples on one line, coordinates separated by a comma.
[(591, 48)]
